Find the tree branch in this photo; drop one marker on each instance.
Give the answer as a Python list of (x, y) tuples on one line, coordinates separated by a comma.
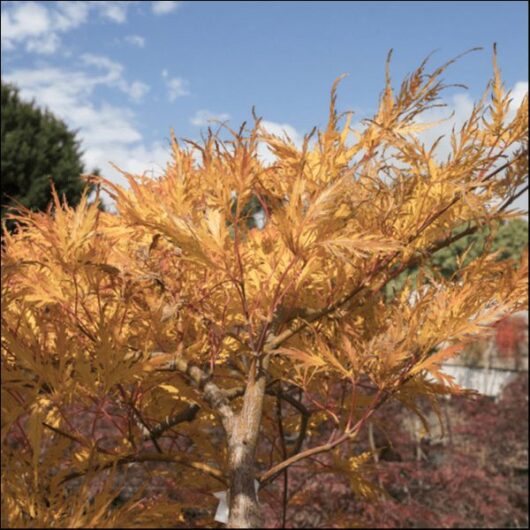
[(304, 416), (147, 431), (212, 394), (183, 460), (188, 414), (272, 473), (512, 198)]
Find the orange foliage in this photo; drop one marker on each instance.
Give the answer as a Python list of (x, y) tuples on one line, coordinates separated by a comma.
[(167, 332)]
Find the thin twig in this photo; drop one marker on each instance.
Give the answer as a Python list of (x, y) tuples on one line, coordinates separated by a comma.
[(512, 198), (153, 457)]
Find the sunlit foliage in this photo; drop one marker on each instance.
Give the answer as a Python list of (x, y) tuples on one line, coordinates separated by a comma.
[(143, 336)]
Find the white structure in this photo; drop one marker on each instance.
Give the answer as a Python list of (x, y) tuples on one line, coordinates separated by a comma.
[(486, 381), (491, 374)]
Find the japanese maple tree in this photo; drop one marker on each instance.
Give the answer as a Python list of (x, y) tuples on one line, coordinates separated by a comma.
[(176, 332)]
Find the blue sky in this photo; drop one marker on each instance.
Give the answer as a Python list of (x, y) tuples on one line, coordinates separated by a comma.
[(124, 73)]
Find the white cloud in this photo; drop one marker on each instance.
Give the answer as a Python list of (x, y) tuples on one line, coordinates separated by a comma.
[(107, 132), (23, 21), (137, 90), (114, 76), (101, 61), (165, 73), (70, 15), (177, 87), (205, 117), (135, 158), (114, 70), (44, 45), (67, 94), (135, 40), (37, 25), (114, 11), (164, 7), (106, 125)]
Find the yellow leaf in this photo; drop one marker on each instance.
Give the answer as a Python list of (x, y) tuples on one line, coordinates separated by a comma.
[(437, 358), (82, 455), (169, 388)]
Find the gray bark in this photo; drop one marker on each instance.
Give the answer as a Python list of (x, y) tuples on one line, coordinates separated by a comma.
[(243, 438)]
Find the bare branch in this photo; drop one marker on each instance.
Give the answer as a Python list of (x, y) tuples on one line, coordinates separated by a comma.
[(188, 414), (144, 426), (304, 416), (183, 460), (213, 395), (267, 477)]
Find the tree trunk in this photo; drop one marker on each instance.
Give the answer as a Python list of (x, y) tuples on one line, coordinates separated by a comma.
[(244, 507)]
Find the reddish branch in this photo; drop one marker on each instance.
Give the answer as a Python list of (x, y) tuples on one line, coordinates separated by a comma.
[(272, 473)]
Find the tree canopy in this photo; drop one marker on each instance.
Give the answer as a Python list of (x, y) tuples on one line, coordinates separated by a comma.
[(37, 148), (175, 334)]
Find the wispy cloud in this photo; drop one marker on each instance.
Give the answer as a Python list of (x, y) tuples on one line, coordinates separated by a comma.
[(113, 68), (177, 87), (135, 40), (68, 94), (46, 44), (109, 133), (113, 76), (137, 90), (164, 7), (204, 117), (114, 11), (38, 25), (26, 21), (69, 15)]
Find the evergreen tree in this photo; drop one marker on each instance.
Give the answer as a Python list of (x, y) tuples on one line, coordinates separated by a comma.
[(509, 240), (37, 148)]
